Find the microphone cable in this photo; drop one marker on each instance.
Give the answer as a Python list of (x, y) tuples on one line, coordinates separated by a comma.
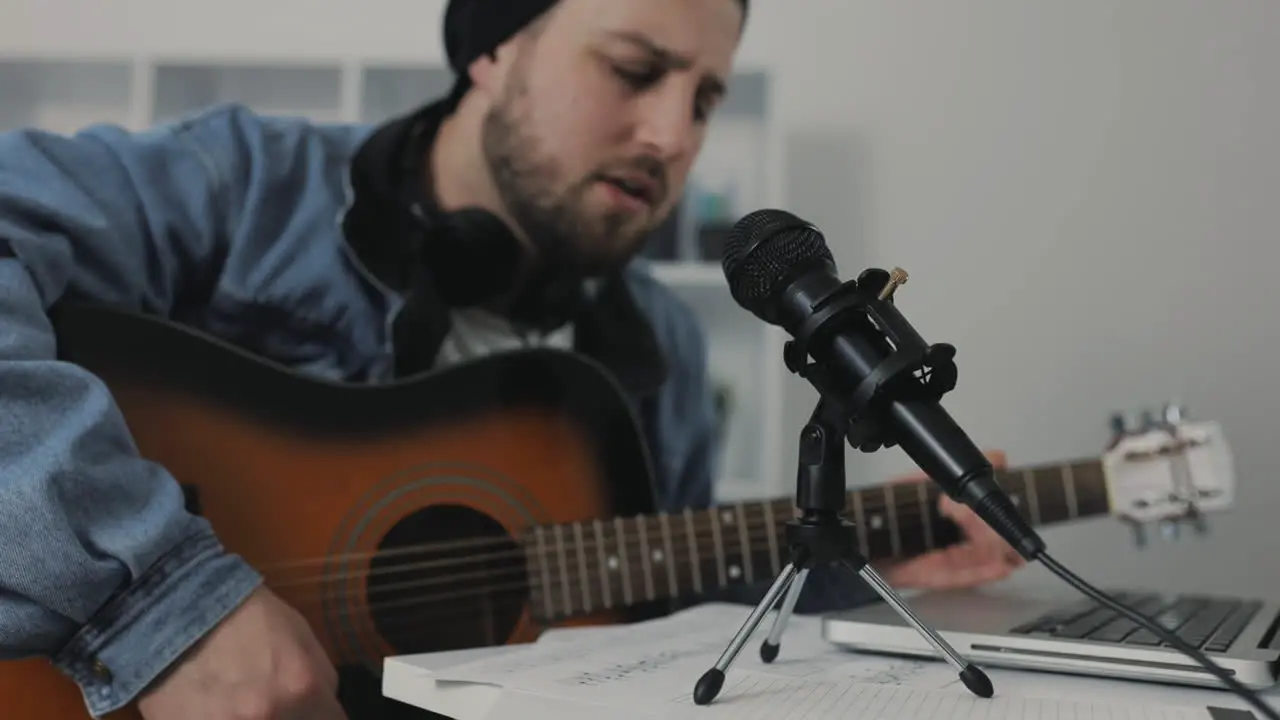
[(1159, 631)]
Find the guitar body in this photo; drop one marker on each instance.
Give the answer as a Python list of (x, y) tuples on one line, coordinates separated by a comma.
[(389, 515)]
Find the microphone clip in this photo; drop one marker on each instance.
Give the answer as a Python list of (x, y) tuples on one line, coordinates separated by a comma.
[(910, 369)]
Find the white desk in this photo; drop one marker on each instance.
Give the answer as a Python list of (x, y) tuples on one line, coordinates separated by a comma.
[(411, 679)]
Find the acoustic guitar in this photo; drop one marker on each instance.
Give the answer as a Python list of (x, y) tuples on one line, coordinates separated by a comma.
[(481, 504)]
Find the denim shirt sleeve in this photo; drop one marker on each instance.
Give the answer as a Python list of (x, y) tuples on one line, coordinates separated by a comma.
[(687, 410), (101, 568)]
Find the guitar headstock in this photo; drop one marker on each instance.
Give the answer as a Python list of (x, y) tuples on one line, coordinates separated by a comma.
[(1167, 470)]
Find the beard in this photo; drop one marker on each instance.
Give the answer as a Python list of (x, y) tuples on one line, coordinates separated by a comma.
[(568, 236)]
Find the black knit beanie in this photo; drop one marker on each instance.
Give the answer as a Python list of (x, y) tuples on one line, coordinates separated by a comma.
[(473, 28)]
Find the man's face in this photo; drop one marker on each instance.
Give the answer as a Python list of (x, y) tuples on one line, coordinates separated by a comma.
[(597, 117)]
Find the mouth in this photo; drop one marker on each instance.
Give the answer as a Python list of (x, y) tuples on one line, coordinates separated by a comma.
[(637, 189)]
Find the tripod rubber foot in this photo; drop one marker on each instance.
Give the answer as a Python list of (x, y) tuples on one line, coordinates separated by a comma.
[(769, 651), (708, 687), (977, 681)]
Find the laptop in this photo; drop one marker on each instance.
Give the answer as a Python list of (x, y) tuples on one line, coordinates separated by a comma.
[(1061, 633)]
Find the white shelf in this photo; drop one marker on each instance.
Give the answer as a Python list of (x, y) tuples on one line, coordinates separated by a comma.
[(310, 91), (64, 95), (153, 78), (691, 274), (388, 91)]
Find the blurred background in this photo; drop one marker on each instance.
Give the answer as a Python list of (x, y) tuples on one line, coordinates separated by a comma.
[(1086, 194)]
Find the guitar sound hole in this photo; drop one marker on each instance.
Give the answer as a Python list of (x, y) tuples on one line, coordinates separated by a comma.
[(446, 578)]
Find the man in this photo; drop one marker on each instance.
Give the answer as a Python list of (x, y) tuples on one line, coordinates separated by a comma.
[(344, 252)]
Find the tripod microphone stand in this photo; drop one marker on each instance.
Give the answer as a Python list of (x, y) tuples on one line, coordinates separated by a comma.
[(821, 536)]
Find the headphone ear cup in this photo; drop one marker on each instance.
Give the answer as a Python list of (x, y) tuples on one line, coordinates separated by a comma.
[(475, 256)]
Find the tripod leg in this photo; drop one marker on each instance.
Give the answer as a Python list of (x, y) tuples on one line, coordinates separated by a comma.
[(709, 684), (769, 648), (972, 677)]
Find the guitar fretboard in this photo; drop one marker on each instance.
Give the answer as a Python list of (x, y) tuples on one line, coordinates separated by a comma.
[(580, 568)]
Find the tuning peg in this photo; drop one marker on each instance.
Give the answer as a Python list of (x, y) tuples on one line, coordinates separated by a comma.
[(1200, 525), (1174, 413), (1118, 424), (1139, 534), (1123, 423)]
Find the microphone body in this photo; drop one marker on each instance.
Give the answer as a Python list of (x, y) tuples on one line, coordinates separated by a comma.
[(866, 358)]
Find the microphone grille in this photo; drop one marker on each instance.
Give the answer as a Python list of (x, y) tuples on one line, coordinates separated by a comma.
[(763, 249)]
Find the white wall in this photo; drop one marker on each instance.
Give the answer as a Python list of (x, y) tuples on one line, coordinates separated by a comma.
[(1116, 162)]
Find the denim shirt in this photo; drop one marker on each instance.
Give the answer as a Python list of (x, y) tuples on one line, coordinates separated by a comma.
[(218, 220)]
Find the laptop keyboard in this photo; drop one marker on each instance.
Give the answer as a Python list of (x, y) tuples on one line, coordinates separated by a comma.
[(1206, 623)]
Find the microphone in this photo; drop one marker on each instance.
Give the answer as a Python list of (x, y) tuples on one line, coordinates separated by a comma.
[(867, 358), (851, 343)]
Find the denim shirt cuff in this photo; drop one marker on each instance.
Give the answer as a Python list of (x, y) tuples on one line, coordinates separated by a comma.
[(145, 629)]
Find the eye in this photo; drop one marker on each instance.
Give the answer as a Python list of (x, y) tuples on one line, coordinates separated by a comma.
[(638, 77), (703, 107)]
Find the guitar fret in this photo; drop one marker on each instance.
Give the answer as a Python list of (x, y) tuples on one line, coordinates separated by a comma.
[(745, 542), (879, 542), (1033, 504), (695, 568), (582, 568), (893, 520), (1095, 498), (909, 518), (548, 607), (664, 522), (719, 548), (771, 532), (1015, 486), (605, 584), (860, 524), (564, 569), (624, 564), (891, 509), (645, 560), (1069, 483), (922, 496)]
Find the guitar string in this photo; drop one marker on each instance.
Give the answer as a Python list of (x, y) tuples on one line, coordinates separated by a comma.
[(394, 615), (411, 610), (519, 581), (700, 515), (870, 505), (704, 531), (906, 510), (572, 574)]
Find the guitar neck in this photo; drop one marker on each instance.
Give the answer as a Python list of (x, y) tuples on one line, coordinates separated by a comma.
[(579, 568)]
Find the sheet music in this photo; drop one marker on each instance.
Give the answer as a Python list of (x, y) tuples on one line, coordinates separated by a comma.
[(652, 667)]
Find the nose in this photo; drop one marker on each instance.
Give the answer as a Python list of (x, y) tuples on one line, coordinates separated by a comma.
[(667, 126)]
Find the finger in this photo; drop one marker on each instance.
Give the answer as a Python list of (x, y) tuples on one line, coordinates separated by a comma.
[(322, 665), (949, 570), (325, 707), (997, 458), (976, 531)]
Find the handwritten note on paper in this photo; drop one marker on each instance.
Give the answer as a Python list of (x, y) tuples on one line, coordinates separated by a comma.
[(641, 659), (761, 697)]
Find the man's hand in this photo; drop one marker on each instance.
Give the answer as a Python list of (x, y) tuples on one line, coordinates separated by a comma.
[(980, 557), (261, 663)]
